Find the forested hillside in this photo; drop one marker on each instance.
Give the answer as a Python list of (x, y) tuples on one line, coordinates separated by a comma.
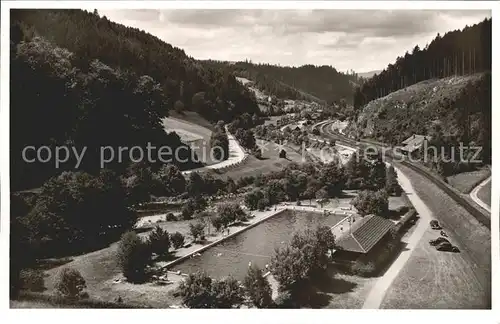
[(459, 52), (318, 83), (185, 83), (78, 79), (443, 91)]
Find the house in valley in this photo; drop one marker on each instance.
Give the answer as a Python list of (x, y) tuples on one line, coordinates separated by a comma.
[(413, 145)]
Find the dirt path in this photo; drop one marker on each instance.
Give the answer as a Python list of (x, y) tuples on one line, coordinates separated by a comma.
[(378, 291), (476, 199)]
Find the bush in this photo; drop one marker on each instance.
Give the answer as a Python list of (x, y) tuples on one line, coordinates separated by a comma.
[(177, 240), (187, 212), (32, 280), (71, 284), (284, 300), (371, 202), (200, 291), (402, 209), (230, 212), (159, 241), (171, 217), (262, 204), (197, 231), (133, 256)]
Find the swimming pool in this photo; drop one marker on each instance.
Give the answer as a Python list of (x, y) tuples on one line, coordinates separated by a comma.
[(256, 245)]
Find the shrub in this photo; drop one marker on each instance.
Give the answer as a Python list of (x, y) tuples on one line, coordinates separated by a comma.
[(227, 293), (159, 241), (402, 209), (262, 204), (284, 300), (177, 240), (133, 256), (371, 202), (70, 284), (230, 212), (171, 217), (200, 291), (195, 291), (187, 212), (197, 230), (32, 280)]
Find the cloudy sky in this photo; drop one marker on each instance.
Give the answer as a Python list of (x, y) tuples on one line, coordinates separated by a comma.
[(346, 39)]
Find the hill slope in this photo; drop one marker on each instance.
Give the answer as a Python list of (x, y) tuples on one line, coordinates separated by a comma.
[(420, 107), (317, 83), (458, 52), (213, 94)]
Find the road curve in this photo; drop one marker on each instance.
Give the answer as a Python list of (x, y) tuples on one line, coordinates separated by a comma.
[(481, 215), (476, 199)]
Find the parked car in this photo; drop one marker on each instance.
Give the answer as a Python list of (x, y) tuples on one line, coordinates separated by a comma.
[(437, 241), (447, 246), (435, 225)]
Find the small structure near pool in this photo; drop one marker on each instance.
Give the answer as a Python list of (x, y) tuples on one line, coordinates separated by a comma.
[(363, 236)]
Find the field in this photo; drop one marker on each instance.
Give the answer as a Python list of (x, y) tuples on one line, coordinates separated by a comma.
[(193, 118), (485, 193), (466, 181), (435, 279), (438, 280), (189, 131), (270, 162)]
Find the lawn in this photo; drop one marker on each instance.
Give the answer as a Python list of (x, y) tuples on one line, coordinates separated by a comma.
[(270, 162), (188, 131), (347, 291), (193, 118), (442, 280), (434, 279), (466, 181), (33, 304), (485, 193)]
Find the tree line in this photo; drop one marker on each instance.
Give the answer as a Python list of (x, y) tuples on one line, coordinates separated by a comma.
[(458, 52)]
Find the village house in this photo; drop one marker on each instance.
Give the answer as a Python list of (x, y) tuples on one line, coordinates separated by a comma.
[(413, 145)]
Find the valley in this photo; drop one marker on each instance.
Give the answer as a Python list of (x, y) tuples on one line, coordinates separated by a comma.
[(290, 187)]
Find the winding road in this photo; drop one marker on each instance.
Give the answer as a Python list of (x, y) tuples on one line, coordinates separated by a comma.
[(476, 199)]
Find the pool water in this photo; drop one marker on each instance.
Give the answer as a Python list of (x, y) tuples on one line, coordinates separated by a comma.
[(256, 245)]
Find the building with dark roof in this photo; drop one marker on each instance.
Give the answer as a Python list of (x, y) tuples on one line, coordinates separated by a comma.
[(413, 144), (362, 237)]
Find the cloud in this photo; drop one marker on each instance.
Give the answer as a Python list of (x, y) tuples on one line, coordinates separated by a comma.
[(347, 39)]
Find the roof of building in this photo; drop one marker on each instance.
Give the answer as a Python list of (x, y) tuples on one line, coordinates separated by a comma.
[(365, 234), (414, 142)]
